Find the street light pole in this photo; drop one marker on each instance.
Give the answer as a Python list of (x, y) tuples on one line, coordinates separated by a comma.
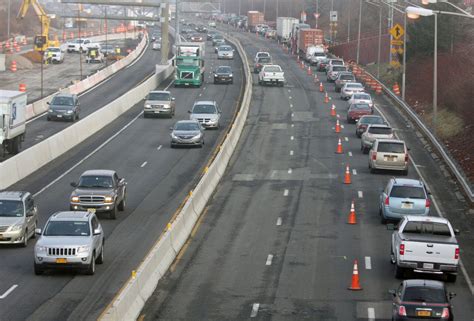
[(435, 75), (176, 28), (8, 18), (404, 70), (358, 33), (380, 42)]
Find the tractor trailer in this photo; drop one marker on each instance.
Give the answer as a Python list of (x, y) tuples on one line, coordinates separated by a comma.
[(12, 120)]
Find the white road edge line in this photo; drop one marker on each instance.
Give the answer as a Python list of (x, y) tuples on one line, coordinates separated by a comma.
[(285, 192), (360, 194), (368, 263), (144, 164), (269, 259), (435, 203), (371, 314), (254, 312), (279, 221), (10, 290)]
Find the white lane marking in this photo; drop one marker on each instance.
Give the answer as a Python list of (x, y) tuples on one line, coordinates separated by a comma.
[(200, 94), (290, 171), (360, 194), (289, 90), (254, 312), (279, 221), (292, 115), (291, 105), (346, 139), (10, 290), (371, 314), (292, 137), (292, 125), (342, 126), (290, 97), (291, 153), (354, 171), (88, 155), (204, 88), (368, 263), (159, 147), (269, 259), (285, 192), (350, 154), (144, 164)]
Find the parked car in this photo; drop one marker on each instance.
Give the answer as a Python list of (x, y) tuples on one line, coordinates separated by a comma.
[(351, 88), (159, 103), (18, 217), (365, 121), (342, 78), (187, 133), (356, 111), (107, 49), (207, 113), (271, 74), (425, 244), (333, 72), (403, 196), (225, 52), (422, 299), (223, 74), (64, 106), (361, 98), (70, 240), (374, 132), (94, 55), (389, 154), (100, 190), (260, 62), (53, 55)]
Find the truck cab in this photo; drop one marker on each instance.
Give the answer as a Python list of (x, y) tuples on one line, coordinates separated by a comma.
[(189, 64)]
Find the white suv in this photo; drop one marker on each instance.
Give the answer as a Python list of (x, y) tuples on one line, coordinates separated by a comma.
[(70, 240)]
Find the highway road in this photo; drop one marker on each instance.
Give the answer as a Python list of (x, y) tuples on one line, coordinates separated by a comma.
[(158, 180), (273, 243)]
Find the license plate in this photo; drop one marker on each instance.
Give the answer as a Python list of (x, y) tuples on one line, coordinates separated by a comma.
[(407, 205), (390, 158), (61, 261), (423, 313), (428, 265), (60, 116)]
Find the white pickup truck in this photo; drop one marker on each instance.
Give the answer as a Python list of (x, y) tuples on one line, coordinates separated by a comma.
[(425, 244), (78, 45), (272, 74)]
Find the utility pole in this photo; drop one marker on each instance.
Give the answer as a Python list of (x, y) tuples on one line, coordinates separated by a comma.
[(164, 32), (42, 57), (240, 7), (317, 13), (79, 29), (358, 33), (349, 23), (176, 28), (264, 8), (106, 32), (8, 18)]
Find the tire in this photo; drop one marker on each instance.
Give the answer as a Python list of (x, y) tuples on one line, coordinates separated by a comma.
[(399, 272), (100, 258), (451, 278), (145, 115), (113, 213), (171, 146), (38, 269), (365, 150), (25, 239), (91, 268), (405, 172), (121, 206), (77, 117), (373, 170), (48, 118), (383, 220)]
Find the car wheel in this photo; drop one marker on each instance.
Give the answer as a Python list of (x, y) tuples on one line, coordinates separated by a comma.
[(100, 258), (121, 206), (113, 213), (38, 269), (451, 278), (25, 239), (372, 170), (399, 272), (405, 172), (91, 268), (48, 118), (77, 116), (383, 220), (171, 145), (145, 115), (365, 150)]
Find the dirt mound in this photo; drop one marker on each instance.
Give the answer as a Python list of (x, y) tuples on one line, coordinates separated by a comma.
[(21, 62)]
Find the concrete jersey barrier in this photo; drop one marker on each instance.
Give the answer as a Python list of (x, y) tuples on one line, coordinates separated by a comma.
[(128, 303)]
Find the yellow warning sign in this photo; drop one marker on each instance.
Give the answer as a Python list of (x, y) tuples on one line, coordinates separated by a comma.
[(396, 42), (395, 63), (397, 31)]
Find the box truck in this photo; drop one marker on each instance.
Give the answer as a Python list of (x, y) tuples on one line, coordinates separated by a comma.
[(12, 120), (284, 25), (308, 38), (254, 18)]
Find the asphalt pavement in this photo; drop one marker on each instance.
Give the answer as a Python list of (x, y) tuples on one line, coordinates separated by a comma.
[(274, 243), (158, 180)]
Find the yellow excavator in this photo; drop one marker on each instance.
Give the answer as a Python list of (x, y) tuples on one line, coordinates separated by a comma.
[(41, 41)]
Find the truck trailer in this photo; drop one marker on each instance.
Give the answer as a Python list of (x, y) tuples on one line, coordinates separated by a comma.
[(254, 18), (12, 120), (308, 38), (284, 26)]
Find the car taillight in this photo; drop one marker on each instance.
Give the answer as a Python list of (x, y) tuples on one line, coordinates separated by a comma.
[(445, 313), (402, 249), (259, 65), (456, 254), (427, 203), (374, 156), (402, 311), (406, 157), (387, 201)]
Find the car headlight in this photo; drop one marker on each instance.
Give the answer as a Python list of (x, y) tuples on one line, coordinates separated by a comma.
[(231, 75), (16, 227), (166, 106), (69, 112), (108, 199), (147, 106), (40, 248), (215, 75), (83, 249), (50, 111), (75, 199), (198, 135), (173, 136)]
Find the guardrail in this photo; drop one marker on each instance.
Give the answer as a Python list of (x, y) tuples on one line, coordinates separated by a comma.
[(131, 298), (23, 164)]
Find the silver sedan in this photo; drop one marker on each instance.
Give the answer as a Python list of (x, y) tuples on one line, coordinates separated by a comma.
[(187, 133), (351, 88), (361, 98)]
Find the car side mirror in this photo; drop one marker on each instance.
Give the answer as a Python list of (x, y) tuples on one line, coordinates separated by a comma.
[(189, 112), (30, 213), (451, 295), (48, 103), (38, 231), (457, 231), (173, 98), (122, 181), (393, 292), (408, 149), (97, 231), (391, 227), (73, 184)]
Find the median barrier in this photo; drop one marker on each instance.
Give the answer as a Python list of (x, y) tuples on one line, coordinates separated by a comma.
[(127, 304)]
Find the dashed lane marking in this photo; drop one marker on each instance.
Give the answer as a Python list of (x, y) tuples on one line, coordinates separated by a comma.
[(368, 263), (291, 153), (254, 311), (269, 259), (7, 292), (292, 125), (360, 194), (291, 105), (371, 314), (144, 164), (346, 139), (290, 171), (285, 192), (292, 137), (354, 171), (350, 154), (279, 221)]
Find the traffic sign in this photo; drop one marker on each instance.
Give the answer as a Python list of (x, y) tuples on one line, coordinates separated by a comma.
[(397, 31), (396, 42), (333, 16), (395, 63)]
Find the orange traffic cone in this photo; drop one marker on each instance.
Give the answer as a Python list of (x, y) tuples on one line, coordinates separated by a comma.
[(315, 77), (347, 176), (321, 87), (333, 110), (378, 89), (355, 285), (339, 147), (309, 71), (352, 215), (326, 98), (13, 66), (22, 87), (396, 89), (338, 126)]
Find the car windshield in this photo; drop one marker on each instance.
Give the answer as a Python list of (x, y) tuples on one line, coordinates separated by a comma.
[(263, 54), (424, 294), (158, 96), (186, 126), (408, 192), (371, 120), (225, 48), (11, 208), (204, 109), (226, 70), (67, 228), (430, 228), (217, 37), (264, 60), (96, 182), (62, 101), (346, 77), (337, 63), (354, 86), (380, 130), (360, 106), (54, 49), (387, 147), (272, 69), (319, 54), (338, 68), (362, 97), (107, 47)]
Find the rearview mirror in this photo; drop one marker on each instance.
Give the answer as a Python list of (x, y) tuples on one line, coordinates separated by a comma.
[(48, 103), (391, 227), (38, 231), (97, 231), (189, 112), (457, 231), (73, 184), (393, 292), (122, 181), (173, 98), (451, 295)]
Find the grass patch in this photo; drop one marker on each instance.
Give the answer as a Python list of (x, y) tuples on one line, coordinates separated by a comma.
[(450, 124), (388, 74)]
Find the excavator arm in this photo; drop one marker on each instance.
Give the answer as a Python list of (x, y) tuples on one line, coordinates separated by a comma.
[(41, 41)]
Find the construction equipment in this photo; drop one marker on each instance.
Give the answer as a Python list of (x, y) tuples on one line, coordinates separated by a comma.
[(41, 41)]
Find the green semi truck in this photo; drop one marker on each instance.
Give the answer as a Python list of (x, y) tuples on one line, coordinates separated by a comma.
[(189, 63)]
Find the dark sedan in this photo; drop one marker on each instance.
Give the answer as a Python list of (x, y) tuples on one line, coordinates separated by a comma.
[(223, 74), (356, 111), (422, 300), (367, 120), (64, 107)]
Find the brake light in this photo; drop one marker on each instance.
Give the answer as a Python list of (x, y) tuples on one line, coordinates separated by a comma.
[(402, 311), (456, 253), (427, 203), (387, 201), (374, 156), (402, 249), (406, 157), (445, 313)]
